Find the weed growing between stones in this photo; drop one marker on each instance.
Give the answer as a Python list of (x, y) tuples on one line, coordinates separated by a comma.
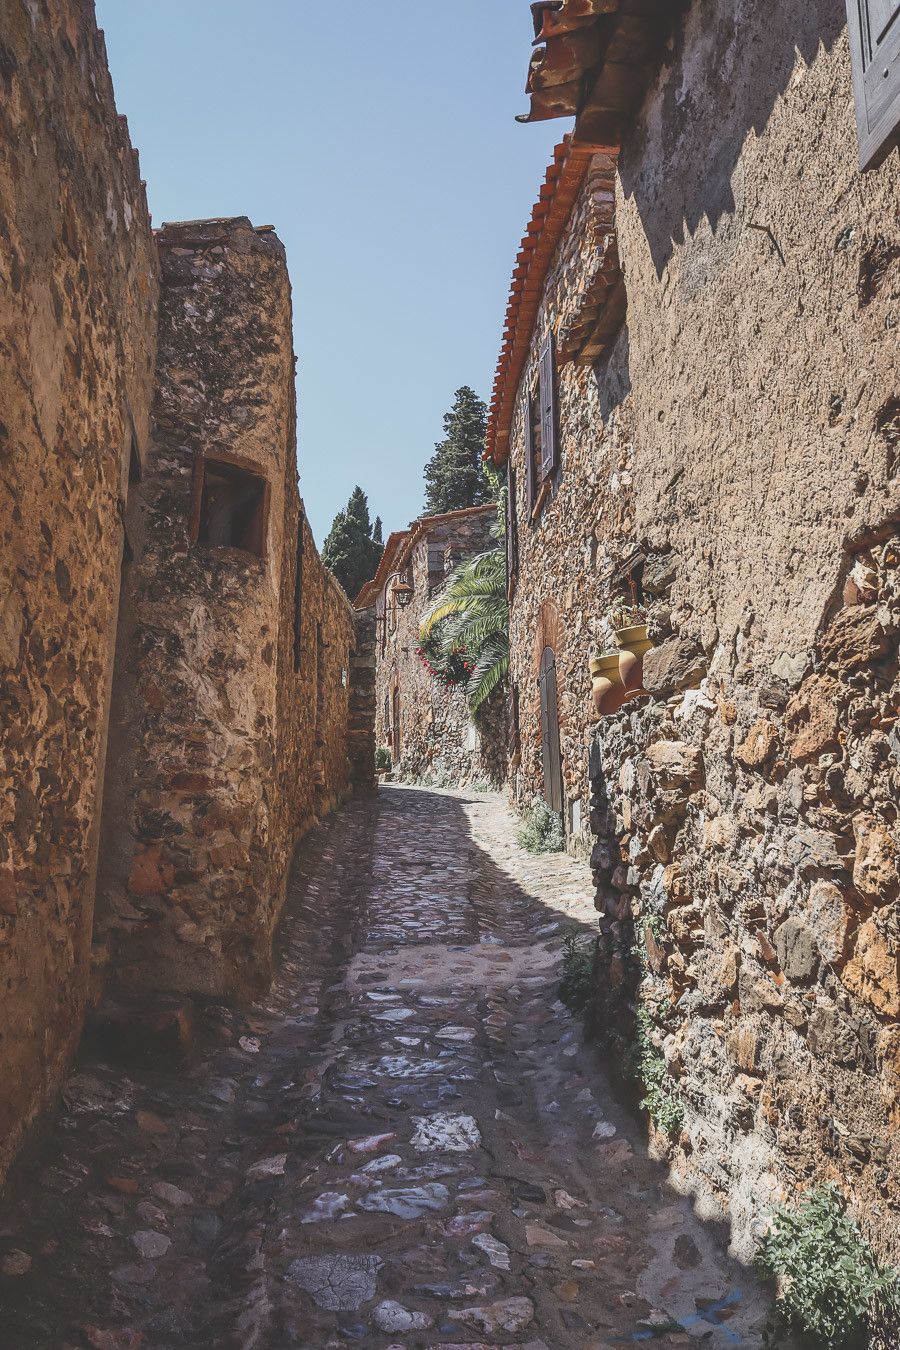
[(542, 830), (576, 988), (644, 1063), (832, 1294)]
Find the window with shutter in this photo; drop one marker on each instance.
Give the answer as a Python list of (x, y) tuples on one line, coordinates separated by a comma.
[(547, 394), (875, 52), (530, 467)]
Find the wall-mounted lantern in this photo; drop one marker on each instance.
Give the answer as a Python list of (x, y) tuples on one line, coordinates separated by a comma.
[(402, 593)]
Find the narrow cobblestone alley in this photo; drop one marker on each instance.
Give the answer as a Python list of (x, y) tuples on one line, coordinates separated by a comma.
[(405, 1145)]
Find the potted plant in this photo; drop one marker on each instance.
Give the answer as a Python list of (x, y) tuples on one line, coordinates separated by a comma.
[(629, 623)]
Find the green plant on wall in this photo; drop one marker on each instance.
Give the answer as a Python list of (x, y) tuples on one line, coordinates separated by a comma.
[(647, 1067), (542, 831), (831, 1292), (576, 987), (382, 759)]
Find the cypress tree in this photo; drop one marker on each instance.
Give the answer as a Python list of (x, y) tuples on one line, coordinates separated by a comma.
[(454, 476), (352, 551)]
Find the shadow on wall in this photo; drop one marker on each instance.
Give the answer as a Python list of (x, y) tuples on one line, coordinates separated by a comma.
[(728, 67)]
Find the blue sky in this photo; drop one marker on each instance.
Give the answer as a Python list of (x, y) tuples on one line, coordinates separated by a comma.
[(380, 141)]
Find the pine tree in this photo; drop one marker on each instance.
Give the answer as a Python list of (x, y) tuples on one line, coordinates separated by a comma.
[(352, 551), (377, 536), (454, 476)]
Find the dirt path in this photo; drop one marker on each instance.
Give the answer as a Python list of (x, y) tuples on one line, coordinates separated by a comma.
[(405, 1145)]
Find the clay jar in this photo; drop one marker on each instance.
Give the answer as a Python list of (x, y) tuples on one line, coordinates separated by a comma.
[(607, 689), (633, 639), (631, 671)]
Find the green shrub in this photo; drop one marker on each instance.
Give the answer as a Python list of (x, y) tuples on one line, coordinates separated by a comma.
[(576, 988), (831, 1292), (382, 758), (646, 1065), (542, 831)]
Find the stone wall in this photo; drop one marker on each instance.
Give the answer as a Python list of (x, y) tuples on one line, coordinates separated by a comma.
[(78, 284), (731, 462), (230, 723), (437, 737)]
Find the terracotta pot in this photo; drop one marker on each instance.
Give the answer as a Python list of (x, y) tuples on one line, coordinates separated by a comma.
[(607, 689), (631, 671), (633, 639), (606, 664), (608, 696)]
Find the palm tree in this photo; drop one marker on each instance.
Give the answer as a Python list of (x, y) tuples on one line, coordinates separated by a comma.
[(471, 614)]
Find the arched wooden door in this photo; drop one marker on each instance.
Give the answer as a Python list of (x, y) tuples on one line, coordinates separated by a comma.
[(553, 788), (396, 726)]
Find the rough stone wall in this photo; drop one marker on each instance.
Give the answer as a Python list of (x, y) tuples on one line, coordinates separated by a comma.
[(226, 745), (78, 285), (746, 449), (438, 740), (560, 598)]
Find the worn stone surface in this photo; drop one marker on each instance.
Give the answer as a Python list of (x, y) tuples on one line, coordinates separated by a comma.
[(78, 284), (541, 1232)]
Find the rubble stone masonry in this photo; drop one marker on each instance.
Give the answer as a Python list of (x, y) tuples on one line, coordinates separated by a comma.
[(232, 721), (78, 285), (731, 463)]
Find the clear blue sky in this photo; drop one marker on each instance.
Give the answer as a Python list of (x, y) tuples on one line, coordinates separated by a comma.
[(380, 141)]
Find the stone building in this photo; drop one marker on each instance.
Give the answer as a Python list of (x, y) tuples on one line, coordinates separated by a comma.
[(231, 700), (77, 342), (697, 398), (179, 675), (423, 722)]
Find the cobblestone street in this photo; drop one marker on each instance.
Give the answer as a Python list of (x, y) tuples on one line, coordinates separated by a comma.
[(406, 1144)]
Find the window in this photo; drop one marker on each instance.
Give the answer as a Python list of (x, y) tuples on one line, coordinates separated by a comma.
[(298, 594), (229, 507), (875, 52), (541, 438)]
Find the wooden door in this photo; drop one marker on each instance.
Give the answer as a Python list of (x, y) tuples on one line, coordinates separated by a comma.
[(550, 752)]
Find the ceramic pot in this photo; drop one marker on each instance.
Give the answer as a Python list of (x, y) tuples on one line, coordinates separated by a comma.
[(631, 671), (608, 696), (607, 689), (633, 639)]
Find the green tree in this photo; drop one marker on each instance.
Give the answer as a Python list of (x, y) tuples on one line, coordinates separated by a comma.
[(454, 476), (353, 549), (471, 616)]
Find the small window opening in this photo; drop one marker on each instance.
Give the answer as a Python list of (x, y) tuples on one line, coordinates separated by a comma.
[(232, 504)]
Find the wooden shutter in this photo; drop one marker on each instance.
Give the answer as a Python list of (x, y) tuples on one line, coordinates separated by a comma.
[(530, 487), (512, 533), (875, 52), (547, 394), (550, 750)]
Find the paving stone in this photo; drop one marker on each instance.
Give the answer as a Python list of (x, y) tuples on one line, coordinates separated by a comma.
[(326, 1140), (445, 1132), (339, 1283)]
